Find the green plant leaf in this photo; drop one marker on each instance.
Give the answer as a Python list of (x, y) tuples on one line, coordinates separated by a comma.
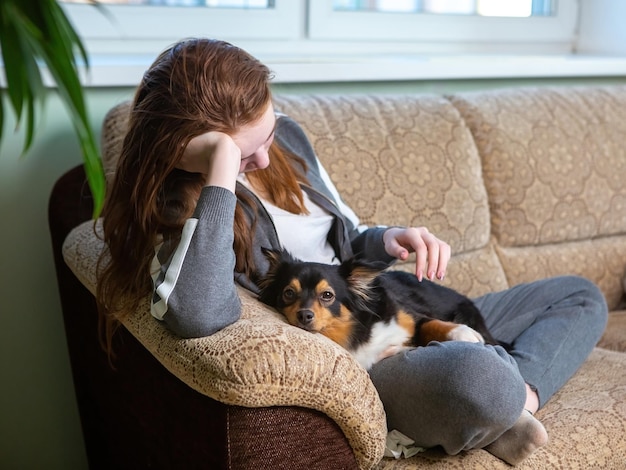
[(24, 81), (35, 30)]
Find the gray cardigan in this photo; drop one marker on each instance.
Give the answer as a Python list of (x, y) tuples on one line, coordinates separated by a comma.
[(194, 292)]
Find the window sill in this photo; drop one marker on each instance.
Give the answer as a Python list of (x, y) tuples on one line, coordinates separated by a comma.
[(452, 67), (126, 71)]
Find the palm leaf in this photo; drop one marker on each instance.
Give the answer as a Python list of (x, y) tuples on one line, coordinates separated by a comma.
[(23, 78), (38, 30)]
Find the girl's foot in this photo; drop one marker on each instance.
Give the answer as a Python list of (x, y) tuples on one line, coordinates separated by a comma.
[(524, 438)]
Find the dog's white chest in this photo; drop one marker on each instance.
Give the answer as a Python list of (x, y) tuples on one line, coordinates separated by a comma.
[(386, 340)]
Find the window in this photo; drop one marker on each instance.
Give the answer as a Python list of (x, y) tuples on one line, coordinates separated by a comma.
[(446, 7), (450, 25), (339, 40), (153, 24), (187, 3), (305, 27)]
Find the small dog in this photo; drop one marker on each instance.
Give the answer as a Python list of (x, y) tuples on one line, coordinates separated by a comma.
[(371, 312)]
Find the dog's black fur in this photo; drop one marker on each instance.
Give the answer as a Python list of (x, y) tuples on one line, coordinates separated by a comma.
[(371, 312)]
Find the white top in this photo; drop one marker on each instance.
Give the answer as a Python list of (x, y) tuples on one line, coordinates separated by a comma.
[(305, 236)]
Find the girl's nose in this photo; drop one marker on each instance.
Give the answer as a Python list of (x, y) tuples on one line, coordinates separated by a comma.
[(259, 160)]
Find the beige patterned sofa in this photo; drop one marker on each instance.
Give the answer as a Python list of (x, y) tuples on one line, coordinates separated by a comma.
[(523, 183)]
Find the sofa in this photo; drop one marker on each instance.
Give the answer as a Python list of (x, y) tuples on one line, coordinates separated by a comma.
[(523, 183)]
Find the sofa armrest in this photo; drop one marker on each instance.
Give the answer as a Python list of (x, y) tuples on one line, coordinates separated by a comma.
[(258, 361)]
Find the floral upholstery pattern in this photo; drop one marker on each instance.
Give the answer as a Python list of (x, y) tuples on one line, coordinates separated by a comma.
[(553, 159), (404, 160), (407, 160), (523, 183), (554, 162)]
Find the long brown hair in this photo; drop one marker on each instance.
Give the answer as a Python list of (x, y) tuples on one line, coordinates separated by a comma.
[(195, 86)]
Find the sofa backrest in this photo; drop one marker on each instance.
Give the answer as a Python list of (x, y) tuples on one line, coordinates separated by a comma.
[(523, 183), (554, 165)]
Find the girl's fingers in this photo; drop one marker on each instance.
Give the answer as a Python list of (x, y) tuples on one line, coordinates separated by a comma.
[(431, 254), (444, 256)]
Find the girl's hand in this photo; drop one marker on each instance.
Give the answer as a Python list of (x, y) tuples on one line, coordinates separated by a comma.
[(215, 155), (432, 254)]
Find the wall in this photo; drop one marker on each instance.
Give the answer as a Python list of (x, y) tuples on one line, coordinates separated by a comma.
[(39, 424), (601, 29)]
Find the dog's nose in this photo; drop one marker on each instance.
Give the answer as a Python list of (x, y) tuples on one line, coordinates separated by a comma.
[(305, 317)]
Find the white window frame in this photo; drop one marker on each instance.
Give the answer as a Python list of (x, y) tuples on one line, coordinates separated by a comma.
[(137, 25), (456, 33), (305, 41), (306, 28)]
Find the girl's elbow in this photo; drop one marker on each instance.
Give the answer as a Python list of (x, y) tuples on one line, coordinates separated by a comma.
[(207, 324)]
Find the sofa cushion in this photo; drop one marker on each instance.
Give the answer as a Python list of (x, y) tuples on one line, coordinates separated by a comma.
[(601, 260), (554, 162), (399, 160)]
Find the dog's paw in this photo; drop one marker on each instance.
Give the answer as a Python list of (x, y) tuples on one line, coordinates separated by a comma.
[(465, 333), (391, 351)]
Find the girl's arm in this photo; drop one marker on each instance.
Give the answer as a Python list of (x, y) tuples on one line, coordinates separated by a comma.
[(194, 290)]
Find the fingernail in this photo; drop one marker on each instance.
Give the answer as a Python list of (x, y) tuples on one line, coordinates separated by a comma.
[(440, 276), (420, 276), (431, 275)]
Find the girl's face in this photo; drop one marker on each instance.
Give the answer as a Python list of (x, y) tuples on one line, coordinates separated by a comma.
[(254, 141)]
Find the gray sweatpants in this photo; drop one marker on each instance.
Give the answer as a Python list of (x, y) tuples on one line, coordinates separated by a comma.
[(465, 395)]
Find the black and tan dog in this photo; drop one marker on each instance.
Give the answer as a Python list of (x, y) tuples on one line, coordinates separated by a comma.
[(371, 312)]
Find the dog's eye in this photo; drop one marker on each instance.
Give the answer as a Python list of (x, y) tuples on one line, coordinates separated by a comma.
[(289, 294), (327, 296)]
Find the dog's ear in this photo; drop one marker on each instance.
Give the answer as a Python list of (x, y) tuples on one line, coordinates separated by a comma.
[(267, 283), (360, 273), (277, 257), (360, 268), (273, 256)]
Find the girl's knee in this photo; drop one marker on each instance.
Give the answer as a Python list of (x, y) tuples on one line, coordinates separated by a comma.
[(487, 385), (590, 299), (578, 286), (451, 394)]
